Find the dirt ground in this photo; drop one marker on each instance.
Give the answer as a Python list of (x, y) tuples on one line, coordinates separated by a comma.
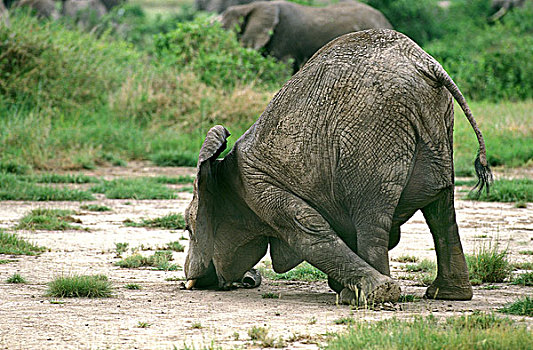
[(302, 316)]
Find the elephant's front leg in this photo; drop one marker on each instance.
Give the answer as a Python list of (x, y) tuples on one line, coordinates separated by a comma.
[(310, 235)]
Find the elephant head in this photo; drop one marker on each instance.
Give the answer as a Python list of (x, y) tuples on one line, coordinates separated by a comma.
[(255, 23), (219, 225)]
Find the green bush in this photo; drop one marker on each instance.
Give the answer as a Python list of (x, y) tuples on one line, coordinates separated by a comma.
[(488, 61), (216, 56)]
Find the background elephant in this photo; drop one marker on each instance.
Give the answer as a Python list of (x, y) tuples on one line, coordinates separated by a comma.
[(287, 30), (42, 8), (345, 153), (218, 6), (501, 7)]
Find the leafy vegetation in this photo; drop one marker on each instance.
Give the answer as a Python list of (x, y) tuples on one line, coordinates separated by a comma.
[(80, 286), (48, 219), (11, 243), (475, 331), (489, 264)]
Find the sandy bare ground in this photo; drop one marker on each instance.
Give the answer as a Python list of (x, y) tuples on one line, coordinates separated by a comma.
[(302, 316)]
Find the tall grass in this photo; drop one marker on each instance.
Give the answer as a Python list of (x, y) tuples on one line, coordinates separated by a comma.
[(11, 243), (489, 264)]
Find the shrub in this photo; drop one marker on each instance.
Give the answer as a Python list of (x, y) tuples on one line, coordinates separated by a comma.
[(216, 56)]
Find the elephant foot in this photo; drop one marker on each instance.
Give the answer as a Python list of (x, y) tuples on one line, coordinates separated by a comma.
[(448, 290), (385, 291)]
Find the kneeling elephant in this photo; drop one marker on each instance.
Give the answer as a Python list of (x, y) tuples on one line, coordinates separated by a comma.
[(345, 153)]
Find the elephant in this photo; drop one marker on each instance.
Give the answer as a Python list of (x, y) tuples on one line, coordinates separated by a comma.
[(287, 30), (346, 152), (87, 11), (218, 6), (501, 7), (42, 8)]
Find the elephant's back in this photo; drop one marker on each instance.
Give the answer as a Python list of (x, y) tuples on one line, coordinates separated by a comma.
[(350, 121)]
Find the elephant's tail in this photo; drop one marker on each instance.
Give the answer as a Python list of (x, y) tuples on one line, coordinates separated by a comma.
[(483, 172)]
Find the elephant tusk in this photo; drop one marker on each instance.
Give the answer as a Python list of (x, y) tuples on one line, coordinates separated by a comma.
[(190, 284)]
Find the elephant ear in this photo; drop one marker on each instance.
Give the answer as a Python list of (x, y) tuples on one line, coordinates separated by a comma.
[(260, 25), (256, 20), (202, 240)]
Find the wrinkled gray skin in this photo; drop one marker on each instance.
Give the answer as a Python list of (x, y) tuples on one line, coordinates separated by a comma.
[(99, 8), (218, 6), (345, 153), (287, 30)]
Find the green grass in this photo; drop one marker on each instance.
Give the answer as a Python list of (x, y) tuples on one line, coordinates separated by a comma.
[(179, 180), (408, 298), (134, 188), (302, 272), (171, 222), (345, 320), (476, 331), (516, 190), (133, 286), (423, 266), (80, 286), (14, 187), (175, 246), (16, 278), (48, 219), (522, 265), (95, 207), (11, 243), (6, 261), (489, 264), (524, 279), (506, 128), (121, 247), (160, 260), (522, 307), (270, 295), (406, 258), (143, 324), (526, 252), (63, 178)]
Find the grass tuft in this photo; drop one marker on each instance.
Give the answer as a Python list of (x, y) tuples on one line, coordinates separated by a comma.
[(423, 266), (48, 219), (10, 243), (160, 260), (302, 272), (406, 259), (171, 222), (133, 286), (16, 278), (270, 295), (524, 279), (80, 286), (489, 264), (95, 207), (522, 307)]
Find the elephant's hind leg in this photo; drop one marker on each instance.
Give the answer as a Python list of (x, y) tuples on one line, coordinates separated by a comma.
[(452, 281)]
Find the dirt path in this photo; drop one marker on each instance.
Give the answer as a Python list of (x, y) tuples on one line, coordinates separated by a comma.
[(302, 316)]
